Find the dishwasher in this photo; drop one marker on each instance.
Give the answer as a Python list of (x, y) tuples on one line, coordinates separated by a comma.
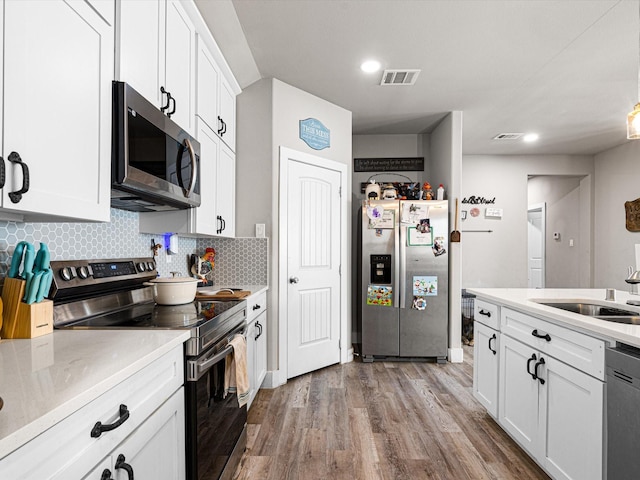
[(623, 412)]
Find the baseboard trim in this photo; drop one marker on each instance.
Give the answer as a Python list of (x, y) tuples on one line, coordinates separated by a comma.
[(456, 355)]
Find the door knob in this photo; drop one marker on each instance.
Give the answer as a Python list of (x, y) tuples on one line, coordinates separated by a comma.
[(294, 280)]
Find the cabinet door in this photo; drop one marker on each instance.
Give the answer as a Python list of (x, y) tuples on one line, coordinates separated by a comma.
[(486, 363), (571, 406), (57, 109), (228, 114), (180, 64), (207, 87), (518, 393), (261, 350), (252, 333), (141, 47), (226, 183), (205, 215), (156, 450)]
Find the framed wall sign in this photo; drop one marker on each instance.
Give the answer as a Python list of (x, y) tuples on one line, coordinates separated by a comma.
[(315, 134)]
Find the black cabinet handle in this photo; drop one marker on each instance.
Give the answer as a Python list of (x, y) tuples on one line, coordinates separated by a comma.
[(535, 371), (545, 336), (106, 474), (3, 174), (532, 359), (224, 127), (256, 307), (493, 338), (17, 195), (484, 312), (224, 225), (165, 92), (173, 110), (99, 428), (219, 218), (120, 464), (259, 325)]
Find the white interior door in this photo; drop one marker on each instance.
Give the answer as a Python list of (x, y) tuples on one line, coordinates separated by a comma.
[(536, 246), (313, 265)]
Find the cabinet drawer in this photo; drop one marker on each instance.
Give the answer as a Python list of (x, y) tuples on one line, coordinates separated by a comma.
[(75, 449), (487, 313), (256, 304), (581, 351)]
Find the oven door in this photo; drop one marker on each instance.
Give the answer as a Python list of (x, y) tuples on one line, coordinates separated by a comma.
[(215, 426)]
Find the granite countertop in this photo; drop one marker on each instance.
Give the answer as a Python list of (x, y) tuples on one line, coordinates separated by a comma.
[(522, 299), (46, 379)]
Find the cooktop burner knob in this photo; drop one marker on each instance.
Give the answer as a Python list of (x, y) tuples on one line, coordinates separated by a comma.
[(150, 266), (67, 273), (83, 272), (141, 266)]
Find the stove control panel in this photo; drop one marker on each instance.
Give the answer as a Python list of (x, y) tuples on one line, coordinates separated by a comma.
[(72, 278)]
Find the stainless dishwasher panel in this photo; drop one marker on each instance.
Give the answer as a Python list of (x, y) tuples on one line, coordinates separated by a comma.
[(623, 412)]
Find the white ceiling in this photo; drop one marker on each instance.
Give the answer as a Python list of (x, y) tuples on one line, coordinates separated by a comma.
[(565, 69)]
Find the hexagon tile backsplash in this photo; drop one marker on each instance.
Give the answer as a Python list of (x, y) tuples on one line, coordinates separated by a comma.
[(237, 258)]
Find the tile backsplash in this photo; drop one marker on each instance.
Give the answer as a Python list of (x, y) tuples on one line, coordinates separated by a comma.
[(238, 260)]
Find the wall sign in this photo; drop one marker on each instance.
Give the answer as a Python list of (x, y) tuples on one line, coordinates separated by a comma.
[(473, 200), (315, 134), (632, 210), (405, 164)]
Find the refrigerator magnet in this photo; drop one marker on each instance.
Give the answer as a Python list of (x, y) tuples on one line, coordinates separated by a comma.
[(383, 219), (438, 246), (416, 238), (419, 303), (425, 285), (380, 295)]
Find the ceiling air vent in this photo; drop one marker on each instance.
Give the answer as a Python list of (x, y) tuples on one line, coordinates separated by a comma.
[(508, 136), (399, 77)]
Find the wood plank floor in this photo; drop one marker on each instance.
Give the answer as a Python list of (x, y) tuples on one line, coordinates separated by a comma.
[(381, 420)]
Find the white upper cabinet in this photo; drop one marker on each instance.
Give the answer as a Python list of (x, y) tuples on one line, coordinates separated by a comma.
[(156, 55), (56, 103), (226, 192), (216, 103)]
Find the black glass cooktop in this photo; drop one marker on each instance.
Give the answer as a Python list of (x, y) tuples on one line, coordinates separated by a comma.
[(150, 315)]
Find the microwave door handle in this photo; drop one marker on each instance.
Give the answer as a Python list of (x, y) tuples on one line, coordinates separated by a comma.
[(194, 169)]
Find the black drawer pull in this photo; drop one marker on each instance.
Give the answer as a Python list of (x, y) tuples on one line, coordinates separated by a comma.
[(120, 464), (99, 428), (256, 307), (545, 336), (3, 175), (106, 475), (484, 312), (541, 362), (493, 338), (17, 195), (532, 359)]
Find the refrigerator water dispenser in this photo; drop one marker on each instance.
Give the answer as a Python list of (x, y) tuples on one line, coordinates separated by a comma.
[(380, 269)]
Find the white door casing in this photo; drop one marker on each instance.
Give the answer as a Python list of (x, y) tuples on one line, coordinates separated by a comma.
[(536, 230), (313, 245)]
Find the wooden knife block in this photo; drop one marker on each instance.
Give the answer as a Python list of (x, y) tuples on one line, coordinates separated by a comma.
[(20, 320)]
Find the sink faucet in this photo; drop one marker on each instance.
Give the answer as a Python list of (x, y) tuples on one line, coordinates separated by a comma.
[(633, 279)]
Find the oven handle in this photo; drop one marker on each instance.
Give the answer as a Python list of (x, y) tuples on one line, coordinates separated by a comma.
[(197, 368)]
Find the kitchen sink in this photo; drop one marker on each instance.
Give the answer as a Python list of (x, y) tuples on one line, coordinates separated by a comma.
[(595, 310)]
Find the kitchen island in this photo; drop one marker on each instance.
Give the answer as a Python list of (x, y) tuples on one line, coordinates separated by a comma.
[(539, 370)]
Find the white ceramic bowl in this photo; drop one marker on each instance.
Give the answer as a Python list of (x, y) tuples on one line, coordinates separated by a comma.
[(173, 290)]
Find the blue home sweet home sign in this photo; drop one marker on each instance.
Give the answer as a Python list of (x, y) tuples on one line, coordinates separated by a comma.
[(315, 134)]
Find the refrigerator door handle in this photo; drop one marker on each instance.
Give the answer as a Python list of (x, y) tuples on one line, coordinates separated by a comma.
[(401, 255)]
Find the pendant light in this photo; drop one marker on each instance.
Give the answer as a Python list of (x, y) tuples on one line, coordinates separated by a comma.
[(633, 118)]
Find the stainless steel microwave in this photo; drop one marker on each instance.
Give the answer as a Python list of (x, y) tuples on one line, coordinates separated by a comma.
[(155, 164)]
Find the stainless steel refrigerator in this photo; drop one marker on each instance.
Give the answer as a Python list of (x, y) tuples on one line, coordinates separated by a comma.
[(404, 279)]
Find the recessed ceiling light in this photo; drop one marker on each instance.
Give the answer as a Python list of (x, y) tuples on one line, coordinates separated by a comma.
[(370, 66), (531, 137)]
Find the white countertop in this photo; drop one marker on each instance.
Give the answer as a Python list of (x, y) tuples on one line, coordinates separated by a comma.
[(521, 299), (46, 379), (254, 289)]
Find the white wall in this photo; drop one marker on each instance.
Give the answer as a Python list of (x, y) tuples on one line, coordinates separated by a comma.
[(499, 259), (617, 174), (268, 115), (561, 194)]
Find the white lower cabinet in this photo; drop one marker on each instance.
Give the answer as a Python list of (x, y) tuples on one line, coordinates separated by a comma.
[(554, 411), (256, 343), (486, 362), (155, 450)]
